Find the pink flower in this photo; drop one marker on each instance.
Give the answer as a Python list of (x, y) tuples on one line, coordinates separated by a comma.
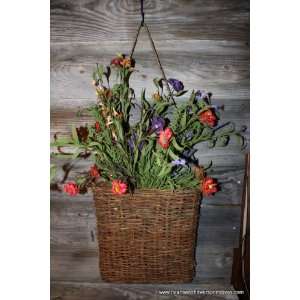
[(119, 187), (71, 188), (165, 137)]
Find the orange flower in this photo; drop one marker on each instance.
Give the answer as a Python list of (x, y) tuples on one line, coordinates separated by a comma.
[(208, 117), (94, 171), (209, 186), (165, 137), (126, 62), (119, 187)]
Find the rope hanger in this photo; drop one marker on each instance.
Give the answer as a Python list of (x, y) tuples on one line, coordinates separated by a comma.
[(143, 24)]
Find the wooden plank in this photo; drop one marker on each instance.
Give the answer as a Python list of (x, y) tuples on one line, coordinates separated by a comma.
[(219, 67), (107, 291), (90, 21), (82, 265), (76, 52), (74, 254)]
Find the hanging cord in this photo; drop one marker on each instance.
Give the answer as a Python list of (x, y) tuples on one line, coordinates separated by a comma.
[(142, 12), (143, 24)]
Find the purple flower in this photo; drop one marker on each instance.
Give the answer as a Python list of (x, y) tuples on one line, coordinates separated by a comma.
[(132, 141), (178, 162), (157, 124), (176, 84)]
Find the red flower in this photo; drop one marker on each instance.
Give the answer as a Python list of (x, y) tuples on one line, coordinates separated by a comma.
[(209, 186), (71, 188), (208, 117), (94, 171), (119, 187), (117, 61), (97, 126), (165, 137)]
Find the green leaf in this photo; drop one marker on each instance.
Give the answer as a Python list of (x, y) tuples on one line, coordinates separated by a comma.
[(74, 135), (180, 93), (52, 172), (158, 82), (176, 146), (100, 70), (61, 142), (119, 128), (183, 120), (222, 141), (172, 154)]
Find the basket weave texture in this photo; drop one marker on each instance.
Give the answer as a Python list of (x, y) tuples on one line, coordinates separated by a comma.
[(148, 236)]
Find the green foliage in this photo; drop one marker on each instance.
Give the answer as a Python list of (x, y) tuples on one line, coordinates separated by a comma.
[(132, 152)]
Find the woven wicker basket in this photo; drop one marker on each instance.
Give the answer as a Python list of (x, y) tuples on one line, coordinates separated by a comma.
[(146, 237)]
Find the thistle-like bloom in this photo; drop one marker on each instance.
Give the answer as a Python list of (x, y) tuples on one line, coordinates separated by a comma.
[(209, 186), (179, 162), (202, 95), (208, 117), (157, 124), (71, 188), (176, 84), (165, 137), (94, 172), (119, 187)]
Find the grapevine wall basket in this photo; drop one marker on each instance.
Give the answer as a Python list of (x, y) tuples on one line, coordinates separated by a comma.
[(148, 236)]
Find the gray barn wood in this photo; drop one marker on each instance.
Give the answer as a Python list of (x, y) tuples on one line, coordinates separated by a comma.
[(205, 44)]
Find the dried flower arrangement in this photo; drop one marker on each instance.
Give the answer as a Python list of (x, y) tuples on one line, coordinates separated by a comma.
[(157, 151)]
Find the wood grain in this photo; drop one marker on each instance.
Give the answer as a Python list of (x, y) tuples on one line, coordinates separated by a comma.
[(93, 21), (106, 291), (219, 67)]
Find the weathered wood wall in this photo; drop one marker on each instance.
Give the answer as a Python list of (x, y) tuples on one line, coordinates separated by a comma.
[(204, 43)]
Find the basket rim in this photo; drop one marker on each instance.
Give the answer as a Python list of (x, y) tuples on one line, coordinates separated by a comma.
[(106, 187)]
